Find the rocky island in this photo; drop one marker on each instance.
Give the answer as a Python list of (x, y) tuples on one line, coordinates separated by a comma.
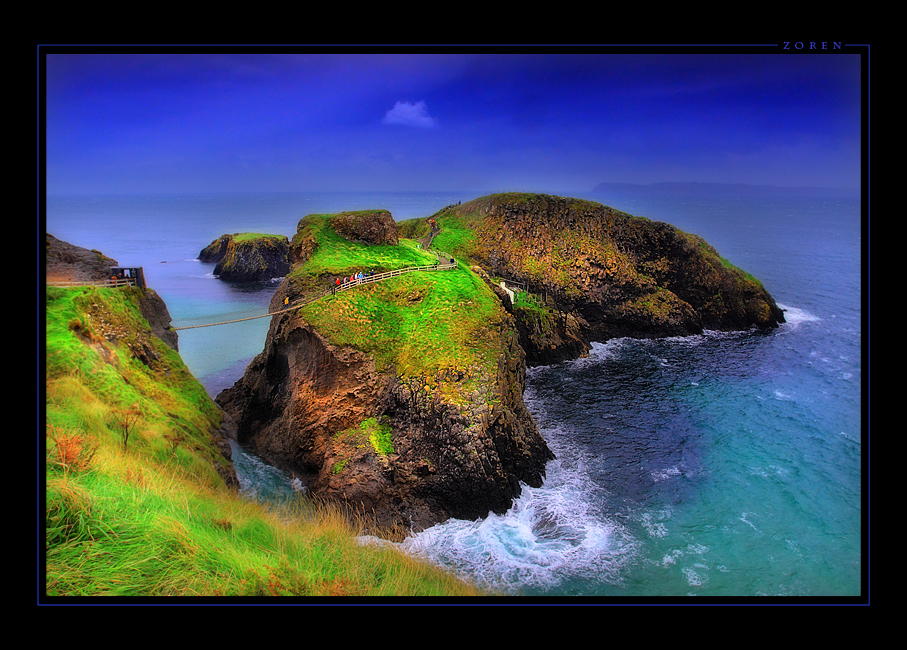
[(597, 273), (405, 398), (402, 397), (248, 257)]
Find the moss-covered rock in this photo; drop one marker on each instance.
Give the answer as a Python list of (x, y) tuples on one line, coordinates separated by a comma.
[(615, 274)]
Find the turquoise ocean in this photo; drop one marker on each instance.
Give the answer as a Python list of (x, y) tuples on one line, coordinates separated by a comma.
[(719, 466)]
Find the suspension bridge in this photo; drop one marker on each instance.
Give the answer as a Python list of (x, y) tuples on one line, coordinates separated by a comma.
[(236, 317)]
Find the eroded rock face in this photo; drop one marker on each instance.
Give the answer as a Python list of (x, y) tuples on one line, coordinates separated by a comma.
[(155, 311), (368, 227), (248, 259), (302, 402)]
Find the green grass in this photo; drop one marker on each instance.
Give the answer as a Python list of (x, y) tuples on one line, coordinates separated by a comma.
[(153, 517), (375, 433), (421, 323), (457, 235), (370, 433), (254, 236), (336, 255)]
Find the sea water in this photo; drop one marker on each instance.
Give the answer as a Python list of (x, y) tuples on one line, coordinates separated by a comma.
[(713, 466)]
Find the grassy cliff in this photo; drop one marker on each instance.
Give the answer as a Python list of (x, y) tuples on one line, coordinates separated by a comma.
[(138, 498)]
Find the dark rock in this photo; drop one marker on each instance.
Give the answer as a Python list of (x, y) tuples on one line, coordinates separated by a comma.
[(367, 226), (155, 311), (248, 258)]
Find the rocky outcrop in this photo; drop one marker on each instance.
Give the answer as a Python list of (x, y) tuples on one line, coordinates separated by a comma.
[(65, 262), (409, 449), (367, 227), (154, 310), (248, 257), (307, 405), (602, 273), (415, 448)]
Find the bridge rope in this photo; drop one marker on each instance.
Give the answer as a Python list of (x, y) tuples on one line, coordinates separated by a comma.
[(236, 317)]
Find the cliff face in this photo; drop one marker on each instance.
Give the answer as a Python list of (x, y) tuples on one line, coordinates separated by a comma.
[(382, 397), (603, 274), (248, 257), (310, 407)]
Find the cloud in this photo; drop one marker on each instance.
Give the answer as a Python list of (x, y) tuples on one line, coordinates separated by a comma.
[(409, 114)]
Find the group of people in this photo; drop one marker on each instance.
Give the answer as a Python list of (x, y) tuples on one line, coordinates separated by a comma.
[(356, 278)]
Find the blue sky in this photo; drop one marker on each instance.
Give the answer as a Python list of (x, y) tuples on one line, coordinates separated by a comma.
[(249, 120)]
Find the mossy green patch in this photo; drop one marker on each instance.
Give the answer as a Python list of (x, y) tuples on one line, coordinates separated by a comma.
[(336, 256), (370, 431), (256, 236), (420, 323), (658, 304)]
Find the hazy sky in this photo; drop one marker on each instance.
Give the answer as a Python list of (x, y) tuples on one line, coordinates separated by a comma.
[(248, 120)]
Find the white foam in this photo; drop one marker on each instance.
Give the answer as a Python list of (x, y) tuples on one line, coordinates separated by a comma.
[(794, 316), (694, 579), (549, 535), (665, 474)]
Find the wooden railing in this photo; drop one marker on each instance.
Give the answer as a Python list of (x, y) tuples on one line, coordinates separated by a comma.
[(119, 282)]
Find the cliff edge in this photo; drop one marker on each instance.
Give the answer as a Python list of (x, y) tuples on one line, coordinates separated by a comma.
[(65, 262)]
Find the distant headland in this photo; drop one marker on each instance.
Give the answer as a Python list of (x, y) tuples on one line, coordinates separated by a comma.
[(722, 189)]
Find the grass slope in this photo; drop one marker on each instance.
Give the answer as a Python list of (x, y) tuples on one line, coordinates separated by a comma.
[(421, 323), (134, 504)]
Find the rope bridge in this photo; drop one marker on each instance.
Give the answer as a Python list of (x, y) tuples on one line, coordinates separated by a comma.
[(236, 317)]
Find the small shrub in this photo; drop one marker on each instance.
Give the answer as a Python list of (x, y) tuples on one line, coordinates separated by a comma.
[(126, 420), (70, 451)]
